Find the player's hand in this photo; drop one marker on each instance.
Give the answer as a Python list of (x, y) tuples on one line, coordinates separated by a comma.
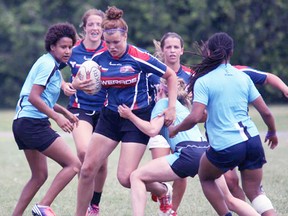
[(64, 124), (84, 85), (169, 116), (68, 89), (124, 111), (272, 139)]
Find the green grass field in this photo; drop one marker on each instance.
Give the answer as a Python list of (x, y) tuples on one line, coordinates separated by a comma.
[(116, 199)]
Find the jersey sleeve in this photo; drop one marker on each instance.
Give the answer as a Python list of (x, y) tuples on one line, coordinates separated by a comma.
[(160, 106)]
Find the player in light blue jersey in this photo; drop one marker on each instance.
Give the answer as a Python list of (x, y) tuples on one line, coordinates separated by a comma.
[(225, 93), (188, 147), (32, 129)]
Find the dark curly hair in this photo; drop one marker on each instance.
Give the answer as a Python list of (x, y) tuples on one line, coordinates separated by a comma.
[(58, 31)]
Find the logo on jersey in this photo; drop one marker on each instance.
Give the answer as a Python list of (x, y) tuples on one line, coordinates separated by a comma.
[(120, 82), (113, 64), (73, 63), (86, 58), (127, 69)]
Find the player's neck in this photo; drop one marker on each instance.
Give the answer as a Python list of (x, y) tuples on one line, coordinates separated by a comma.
[(91, 44), (174, 66)]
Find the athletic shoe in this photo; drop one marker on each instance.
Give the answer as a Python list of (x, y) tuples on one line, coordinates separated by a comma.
[(166, 201), (93, 210), (173, 213), (39, 210)]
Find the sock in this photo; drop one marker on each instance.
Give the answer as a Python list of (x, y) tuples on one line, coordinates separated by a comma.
[(96, 198), (228, 214)]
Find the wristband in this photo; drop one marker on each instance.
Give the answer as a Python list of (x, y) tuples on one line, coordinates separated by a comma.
[(270, 134)]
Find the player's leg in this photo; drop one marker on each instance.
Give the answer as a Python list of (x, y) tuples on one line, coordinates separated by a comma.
[(208, 173), (39, 173), (251, 181), (234, 204), (99, 148), (232, 181), (148, 178), (128, 163), (61, 153)]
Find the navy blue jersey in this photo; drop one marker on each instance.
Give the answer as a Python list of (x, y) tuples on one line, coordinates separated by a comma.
[(258, 77), (126, 78), (81, 99), (183, 72)]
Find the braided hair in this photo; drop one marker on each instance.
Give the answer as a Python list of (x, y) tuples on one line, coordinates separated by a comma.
[(217, 50)]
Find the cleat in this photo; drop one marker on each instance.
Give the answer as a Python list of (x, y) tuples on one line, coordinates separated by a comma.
[(39, 210), (93, 210), (165, 201)]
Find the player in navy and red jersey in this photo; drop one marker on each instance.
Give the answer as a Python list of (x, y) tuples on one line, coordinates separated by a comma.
[(169, 50), (124, 70), (87, 107)]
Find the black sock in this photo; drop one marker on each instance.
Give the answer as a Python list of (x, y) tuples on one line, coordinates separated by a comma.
[(96, 198)]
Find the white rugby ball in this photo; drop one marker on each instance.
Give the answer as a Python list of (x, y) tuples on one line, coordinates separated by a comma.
[(90, 70)]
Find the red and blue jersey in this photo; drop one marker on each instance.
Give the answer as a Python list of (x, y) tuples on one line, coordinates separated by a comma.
[(80, 99), (126, 78), (258, 77), (183, 72)]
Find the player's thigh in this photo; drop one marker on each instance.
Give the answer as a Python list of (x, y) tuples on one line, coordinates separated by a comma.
[(130, 156), (82, 135)]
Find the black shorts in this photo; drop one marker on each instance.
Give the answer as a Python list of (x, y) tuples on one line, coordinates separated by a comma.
[(91, 117), (34, 134), (113, 126), (186, 158), (246, 155)]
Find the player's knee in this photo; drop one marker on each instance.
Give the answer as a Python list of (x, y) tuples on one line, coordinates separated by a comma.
[(124, 180), (262, 204)]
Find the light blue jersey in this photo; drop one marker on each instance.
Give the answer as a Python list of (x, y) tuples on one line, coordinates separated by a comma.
[(44, 72), (193, 134), (226, 94)]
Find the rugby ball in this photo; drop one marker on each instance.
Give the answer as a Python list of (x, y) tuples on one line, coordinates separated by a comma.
[(90, 70)]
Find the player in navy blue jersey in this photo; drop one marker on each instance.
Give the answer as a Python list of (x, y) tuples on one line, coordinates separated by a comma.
[(169, 50), (124, 70), (234, 139), (32, 129), (87, 107)]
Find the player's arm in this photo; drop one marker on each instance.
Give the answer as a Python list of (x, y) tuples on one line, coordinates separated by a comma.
[(67, 88), (36, 100), (170, 112), (151, 128), (277, 83)]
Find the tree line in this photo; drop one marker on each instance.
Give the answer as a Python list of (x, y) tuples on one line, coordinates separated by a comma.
[(259, 30)]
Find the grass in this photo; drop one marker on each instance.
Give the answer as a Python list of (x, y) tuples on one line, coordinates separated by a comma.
[(116, 199)]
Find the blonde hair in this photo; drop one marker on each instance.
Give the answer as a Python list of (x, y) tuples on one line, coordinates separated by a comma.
[(182, 95)]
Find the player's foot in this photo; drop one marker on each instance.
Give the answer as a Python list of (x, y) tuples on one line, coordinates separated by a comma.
[(39, 210), (93, 210), (166, 201)]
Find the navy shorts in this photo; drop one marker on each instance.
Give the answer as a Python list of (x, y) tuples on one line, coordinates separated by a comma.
[(34, 134), (113, 126), (246, 155), (86, 115), (186, 158)]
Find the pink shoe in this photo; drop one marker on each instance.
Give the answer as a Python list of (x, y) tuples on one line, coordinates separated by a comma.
[(93, 210), (39, 210)]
